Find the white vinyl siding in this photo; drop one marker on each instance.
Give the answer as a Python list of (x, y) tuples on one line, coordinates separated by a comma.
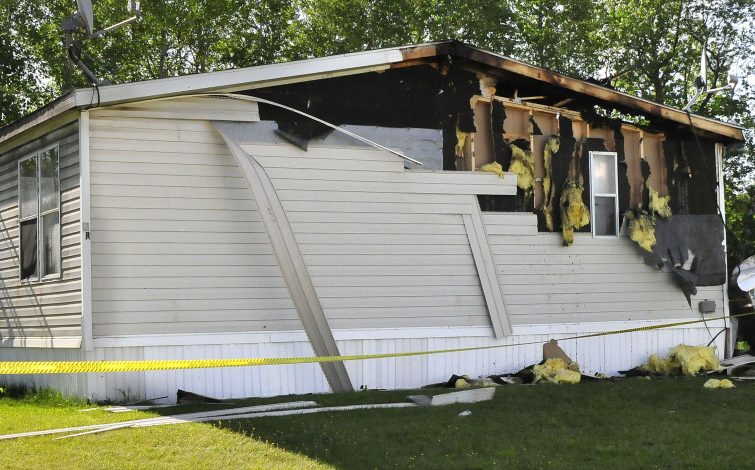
[(47, 312), (385, 247), (594, 280), (178, 245)]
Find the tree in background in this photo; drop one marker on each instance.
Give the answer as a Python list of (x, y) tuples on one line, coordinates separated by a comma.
[(650, 48)]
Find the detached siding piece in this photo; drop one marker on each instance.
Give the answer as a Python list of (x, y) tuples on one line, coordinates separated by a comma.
[(48, 313), (594, 280), (384, 245), (178, 245)]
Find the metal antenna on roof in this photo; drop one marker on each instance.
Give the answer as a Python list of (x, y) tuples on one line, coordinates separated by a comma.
[(83, 21), (701, 82)]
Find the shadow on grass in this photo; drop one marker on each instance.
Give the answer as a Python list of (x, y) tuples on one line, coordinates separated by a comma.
[(629, 423)]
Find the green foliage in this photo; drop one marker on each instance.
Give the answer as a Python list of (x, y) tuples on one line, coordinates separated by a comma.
[(740, 213), (650, 48)]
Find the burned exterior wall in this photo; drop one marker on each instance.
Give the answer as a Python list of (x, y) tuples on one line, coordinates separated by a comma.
[(483, 120)]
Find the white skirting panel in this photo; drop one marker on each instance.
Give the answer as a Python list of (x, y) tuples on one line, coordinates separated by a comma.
[(68, 384), (606, 354)]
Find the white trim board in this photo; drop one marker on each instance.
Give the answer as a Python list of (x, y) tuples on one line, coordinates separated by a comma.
[(67, 342), (86, 244), (486, 271), (294, 336), (238, 79)]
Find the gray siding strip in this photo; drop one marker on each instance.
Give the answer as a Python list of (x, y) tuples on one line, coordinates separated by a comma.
[(292, 265)]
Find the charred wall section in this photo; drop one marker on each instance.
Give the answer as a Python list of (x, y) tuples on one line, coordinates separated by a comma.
[(445, 95)]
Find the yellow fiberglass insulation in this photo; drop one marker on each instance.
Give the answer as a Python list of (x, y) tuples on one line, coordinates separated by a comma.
[(661, 365), (574, 213), (715, 383), (494, 167), (557, 371), (696, 358), (461, 139), (689, 360), (642, 229), (659, 204), (551, 148), (523, 165)]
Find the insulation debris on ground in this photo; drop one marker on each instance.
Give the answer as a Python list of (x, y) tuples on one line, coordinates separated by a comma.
[(574, 213), (557, 371), (715, 383), (683, 359)]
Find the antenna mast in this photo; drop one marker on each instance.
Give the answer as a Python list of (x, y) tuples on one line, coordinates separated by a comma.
[(83, 21)]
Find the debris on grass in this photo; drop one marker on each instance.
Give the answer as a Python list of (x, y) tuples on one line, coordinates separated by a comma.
[(557, 371), (467, 396), (715, 383), (683, 359), (184, 397), (172, 419)]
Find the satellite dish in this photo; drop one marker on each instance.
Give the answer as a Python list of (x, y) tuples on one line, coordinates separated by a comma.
[(86, 14)]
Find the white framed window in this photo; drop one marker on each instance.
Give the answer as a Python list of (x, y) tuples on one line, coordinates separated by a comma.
[(39, 215), (604, 197)]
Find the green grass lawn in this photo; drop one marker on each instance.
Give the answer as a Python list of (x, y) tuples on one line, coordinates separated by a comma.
[(633, 423)]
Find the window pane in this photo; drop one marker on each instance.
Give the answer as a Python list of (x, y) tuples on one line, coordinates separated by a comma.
[(605, 216), (29, 249), (603, 173), (49, 186), (27, 187), (51, 243)]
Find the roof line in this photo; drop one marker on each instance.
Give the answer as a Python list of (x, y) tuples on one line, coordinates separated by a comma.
[(348, 64), (643, 105)]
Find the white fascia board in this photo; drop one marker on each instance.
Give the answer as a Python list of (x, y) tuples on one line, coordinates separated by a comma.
[(236, 79)]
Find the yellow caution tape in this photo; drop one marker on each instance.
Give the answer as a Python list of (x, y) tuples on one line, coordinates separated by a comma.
[(76, 367)]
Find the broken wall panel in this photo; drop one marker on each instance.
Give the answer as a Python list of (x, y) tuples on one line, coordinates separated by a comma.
[(548, 126), (561, 163), (702, 184), (482, 152), (652, 151), (632, 144)]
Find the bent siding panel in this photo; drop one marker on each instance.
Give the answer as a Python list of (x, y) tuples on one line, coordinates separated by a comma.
[(41, 313), (594, 280), (398, 236), (177, 243)]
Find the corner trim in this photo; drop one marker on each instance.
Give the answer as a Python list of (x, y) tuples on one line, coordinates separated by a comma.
[(84, 230)]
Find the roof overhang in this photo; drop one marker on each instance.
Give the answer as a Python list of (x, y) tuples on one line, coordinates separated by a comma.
[(348, 64)]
